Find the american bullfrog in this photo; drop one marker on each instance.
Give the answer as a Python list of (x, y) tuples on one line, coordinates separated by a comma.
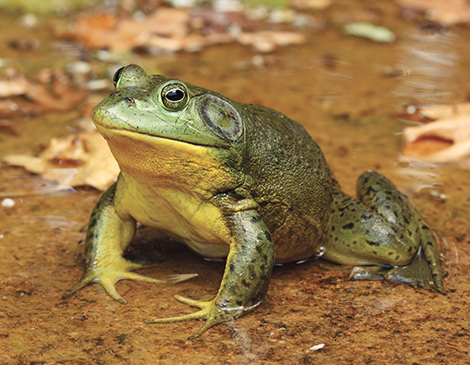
[(241, 182)]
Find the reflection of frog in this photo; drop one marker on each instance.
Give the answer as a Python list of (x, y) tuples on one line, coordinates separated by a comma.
[(240, 180)]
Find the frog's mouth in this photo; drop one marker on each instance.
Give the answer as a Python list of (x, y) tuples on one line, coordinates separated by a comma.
[(110, 124), (117, 136)]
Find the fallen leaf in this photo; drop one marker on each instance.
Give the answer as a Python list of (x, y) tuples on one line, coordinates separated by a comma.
[(268, 41), (310, 4), (441, 141), (169, 30), (75, 160), (425, 146), (445, 12), (11, 88), (22, 95), (106, 31)]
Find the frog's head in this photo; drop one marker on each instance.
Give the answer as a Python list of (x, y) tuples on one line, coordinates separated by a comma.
[(154, 124), (168, 108)]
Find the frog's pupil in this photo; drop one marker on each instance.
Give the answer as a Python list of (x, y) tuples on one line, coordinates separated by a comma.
[(175, 95)]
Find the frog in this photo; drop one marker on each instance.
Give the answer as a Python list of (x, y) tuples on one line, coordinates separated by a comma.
[(245, 184)]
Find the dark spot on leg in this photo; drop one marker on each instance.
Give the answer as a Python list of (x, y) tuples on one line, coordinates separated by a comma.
[(92, 222), (349, 226)]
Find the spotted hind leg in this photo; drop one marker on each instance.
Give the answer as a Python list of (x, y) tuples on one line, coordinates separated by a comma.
[(381, 229)]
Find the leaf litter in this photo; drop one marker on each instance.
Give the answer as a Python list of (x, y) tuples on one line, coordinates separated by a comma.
[(444, 140), (168, 30), (84, 158)]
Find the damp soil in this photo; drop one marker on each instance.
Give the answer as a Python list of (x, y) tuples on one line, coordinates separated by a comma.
[(349, 93)]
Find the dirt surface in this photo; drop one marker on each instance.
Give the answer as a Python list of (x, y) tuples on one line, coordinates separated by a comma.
[(349, 93)]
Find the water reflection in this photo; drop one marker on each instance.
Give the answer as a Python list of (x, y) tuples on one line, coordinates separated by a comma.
[(430, 60)]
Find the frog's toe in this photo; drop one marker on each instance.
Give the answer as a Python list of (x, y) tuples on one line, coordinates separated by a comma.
[(201, 314), (193, 303), (87, 278), (429, 282), (109, 275), (417, 274), (208, 310), (368, 273), (178, 278)]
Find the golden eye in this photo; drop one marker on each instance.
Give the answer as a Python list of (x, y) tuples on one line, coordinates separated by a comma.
[(175, 96)]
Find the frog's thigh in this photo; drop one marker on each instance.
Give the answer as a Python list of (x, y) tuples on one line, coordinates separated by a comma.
[(378, 229)]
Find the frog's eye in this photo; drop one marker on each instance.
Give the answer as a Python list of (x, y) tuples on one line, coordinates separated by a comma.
[(117, 76), (174, 96)]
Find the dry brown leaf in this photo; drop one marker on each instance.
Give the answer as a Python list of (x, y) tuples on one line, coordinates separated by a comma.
[(310, 4), (107, 31), (169, 30), (75, 160), (11, 88), (268, 41), (38, 96), (446, 12), (424, 147), (445, 140)]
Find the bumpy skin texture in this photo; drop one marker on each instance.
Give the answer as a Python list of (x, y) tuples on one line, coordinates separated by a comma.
[(243, 182)]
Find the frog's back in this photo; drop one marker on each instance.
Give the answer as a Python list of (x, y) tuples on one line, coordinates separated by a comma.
[(291, 181)]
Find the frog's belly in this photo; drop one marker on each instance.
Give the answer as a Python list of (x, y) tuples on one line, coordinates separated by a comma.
[(198, 224), (207, 249)]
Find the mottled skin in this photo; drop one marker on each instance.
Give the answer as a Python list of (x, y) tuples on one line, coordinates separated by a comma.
[(243, 182)]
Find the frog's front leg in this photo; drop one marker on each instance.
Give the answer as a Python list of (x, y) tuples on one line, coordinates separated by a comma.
[(382, 228), (109, 234), (246, 276)]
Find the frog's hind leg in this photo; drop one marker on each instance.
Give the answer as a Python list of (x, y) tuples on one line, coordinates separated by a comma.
[(383, 229)]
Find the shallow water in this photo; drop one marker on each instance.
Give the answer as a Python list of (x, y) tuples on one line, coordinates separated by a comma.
[(349, 93)]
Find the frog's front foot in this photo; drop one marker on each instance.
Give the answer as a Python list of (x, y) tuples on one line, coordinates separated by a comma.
[(109, 274), (213, 313), (418, 273)]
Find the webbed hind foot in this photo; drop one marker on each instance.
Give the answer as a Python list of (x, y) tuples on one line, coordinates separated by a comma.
[(417, 274)]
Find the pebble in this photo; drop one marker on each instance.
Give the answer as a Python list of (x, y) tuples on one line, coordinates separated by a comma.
[(8, 203)]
